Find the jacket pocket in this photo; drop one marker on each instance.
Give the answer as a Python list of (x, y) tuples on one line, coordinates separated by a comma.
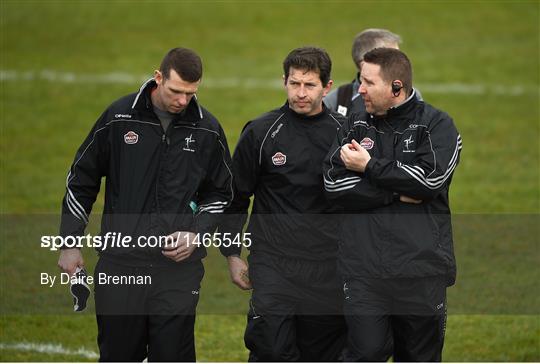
[(415, 235)]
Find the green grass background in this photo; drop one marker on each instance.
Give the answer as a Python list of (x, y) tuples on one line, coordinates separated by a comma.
[(495, 192)]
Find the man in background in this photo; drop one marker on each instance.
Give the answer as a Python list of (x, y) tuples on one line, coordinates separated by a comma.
[(346, 99)]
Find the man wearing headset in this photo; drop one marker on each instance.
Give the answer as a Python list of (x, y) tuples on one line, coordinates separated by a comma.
[(390, 170)]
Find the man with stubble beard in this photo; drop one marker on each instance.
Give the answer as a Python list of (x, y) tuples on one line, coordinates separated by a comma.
[(295, 308)]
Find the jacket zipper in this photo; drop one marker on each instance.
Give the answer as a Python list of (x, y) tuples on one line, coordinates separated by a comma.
[(395, 138), (394, 146), (165, 142)]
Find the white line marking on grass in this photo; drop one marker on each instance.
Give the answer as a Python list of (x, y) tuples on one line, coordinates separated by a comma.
[(476, 89), (69, 77), (49, 348), (252, 83)]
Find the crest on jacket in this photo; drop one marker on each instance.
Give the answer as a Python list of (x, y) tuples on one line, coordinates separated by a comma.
[(279, 159), (367, 143), (189, 144), (131, 137), (407, 145)]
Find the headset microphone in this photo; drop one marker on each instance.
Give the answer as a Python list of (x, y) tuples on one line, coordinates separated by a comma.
[(396, 88)]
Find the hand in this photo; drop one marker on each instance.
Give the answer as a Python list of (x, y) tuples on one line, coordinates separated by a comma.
[(179, 245), (70, 259), (408, 199), (354, 156), (238, 270)]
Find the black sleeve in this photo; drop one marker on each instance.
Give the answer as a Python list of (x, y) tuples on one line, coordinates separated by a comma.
[(216, 191), (246, 167), (436, 157), (347, 188), (84, 179)]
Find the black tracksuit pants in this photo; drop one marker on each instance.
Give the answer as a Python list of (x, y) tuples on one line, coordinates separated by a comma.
[(295, 310), (403, 318), (154, 321)]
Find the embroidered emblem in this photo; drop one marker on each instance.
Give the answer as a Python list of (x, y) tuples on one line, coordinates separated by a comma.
[(367, 143), (279, 159), (407, 143), (342, 110), (188, 141), (131, 137)]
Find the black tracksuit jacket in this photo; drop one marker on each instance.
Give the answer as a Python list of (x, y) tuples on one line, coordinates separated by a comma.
[(278, 160), (414, 150), (151, 176)]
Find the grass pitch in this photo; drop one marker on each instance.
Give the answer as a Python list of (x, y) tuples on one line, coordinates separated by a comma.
[(62, 63)]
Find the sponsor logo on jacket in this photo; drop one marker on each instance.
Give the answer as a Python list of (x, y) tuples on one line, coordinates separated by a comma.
[(346, 291), (273, 135), (131, 137), (342, 110), (367, 143), (279, 159)]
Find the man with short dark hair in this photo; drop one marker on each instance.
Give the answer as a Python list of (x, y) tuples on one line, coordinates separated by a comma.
[(390, 170), (296, 305), (346, 99), (167, 169)]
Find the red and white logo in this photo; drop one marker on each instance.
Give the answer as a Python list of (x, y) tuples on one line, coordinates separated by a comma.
[(131, 137), (279, 159), (367, 143)]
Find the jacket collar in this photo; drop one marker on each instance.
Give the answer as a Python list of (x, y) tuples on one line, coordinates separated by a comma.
[(356, 82), (355, 87), (143, 102), (400, 111), (286, 109)]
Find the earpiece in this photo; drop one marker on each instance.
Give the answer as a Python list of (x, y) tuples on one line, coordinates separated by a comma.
[(396, 88)]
